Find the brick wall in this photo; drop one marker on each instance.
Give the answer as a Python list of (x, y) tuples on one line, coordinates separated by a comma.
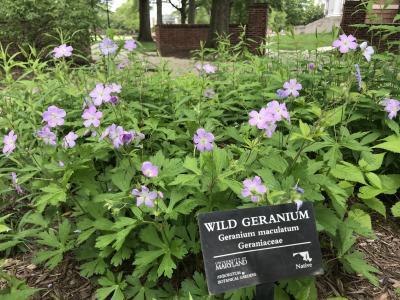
[(354, 13), (180, 39)]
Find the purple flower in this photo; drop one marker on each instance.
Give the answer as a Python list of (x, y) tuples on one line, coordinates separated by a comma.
[(115, 134), (54, 116), (260, 119), (207, 68), (48, 137), (203, 140), (298, 189), (267, 117), (145, 196), (130, 45), (358, 76), (298, 203), (69, 140), (392, 106), (9, 141), (160, 195), (114, 100), (253, 188), (149, 170), (17, 187), (123, 64), (61, 163), (209, 93), (115, 88), (92, 116), (107, 47), (345, 43), (311, 66), (292, 87), (62, 51), (367, 51), (100, 94), (128, 136), (281, 94), (278, 111)]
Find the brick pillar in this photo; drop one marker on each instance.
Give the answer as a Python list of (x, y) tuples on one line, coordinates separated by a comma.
[(353, 13), (256, 29)]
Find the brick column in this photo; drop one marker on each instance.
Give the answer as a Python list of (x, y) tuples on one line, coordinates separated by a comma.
[(256, 29)]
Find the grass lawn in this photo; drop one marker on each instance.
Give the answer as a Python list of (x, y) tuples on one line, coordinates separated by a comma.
[(301, 41), (143, 46)]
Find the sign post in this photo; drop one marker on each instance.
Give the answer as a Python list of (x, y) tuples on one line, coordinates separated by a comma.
[(258, 246)]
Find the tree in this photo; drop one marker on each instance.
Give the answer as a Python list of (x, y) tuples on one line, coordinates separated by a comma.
[(182, 9), (219, 21), (144, 21), (192, 12), (159, 12), (126, 17)]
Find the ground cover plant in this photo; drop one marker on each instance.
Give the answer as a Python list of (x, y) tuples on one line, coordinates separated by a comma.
[(112, 162)]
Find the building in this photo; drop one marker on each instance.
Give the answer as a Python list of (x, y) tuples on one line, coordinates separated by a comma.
[(333, 8)]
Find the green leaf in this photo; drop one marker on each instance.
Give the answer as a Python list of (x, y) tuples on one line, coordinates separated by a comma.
[(191, 164), (166, 266), (348, 172), (326, 219), (333, 116), (275, 162), (376, 205), (360, 222), (184, 179), (346, 238), (355, 262), (374, 179), (104, 240), (150, 236), (371, 162), (392, 144), (396, 209)]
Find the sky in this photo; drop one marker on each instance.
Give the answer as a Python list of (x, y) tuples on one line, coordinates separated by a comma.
[(167, 8)]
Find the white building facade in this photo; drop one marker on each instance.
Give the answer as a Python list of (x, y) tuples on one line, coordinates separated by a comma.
[(333, 8)]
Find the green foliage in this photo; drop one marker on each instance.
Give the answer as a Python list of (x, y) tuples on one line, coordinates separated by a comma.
[(15, 289), (339, 146)]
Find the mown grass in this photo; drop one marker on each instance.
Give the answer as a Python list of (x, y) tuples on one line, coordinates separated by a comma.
[(300, 41)]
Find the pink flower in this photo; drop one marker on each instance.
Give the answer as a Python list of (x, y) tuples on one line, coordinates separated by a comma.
[(253, 188), (149, 170), (100, 94), (392, 106), (9, 141), (145, 196), (292, 87), (107, 47), (62, 51), (345, 43), (69, 140), (130, 45), (115, 88), (203, 140), (17, 187), (207, 68), (92, 117), (48, 137), (54, 116)]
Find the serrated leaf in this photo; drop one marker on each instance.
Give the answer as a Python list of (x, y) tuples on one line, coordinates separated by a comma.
[(348, 172), (104, 240), (376, 205), (374, 179), (396, 209), (355, 262), (392, 144), (191, 164), (166, 266), (150, 236), (184, 179), (326, 219)]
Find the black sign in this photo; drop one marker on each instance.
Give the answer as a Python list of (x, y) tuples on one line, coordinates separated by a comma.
[(250, 246)]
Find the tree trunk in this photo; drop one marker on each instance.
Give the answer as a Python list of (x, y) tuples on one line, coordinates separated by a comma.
[(183, 12), (144, 21), (219, 21), (159, 12), (192, 11)]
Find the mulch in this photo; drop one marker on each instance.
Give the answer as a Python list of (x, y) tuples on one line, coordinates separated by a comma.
[(65, 282), (383, 253)]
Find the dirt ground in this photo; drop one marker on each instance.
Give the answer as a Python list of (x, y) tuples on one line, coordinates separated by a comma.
[(65, 283)]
